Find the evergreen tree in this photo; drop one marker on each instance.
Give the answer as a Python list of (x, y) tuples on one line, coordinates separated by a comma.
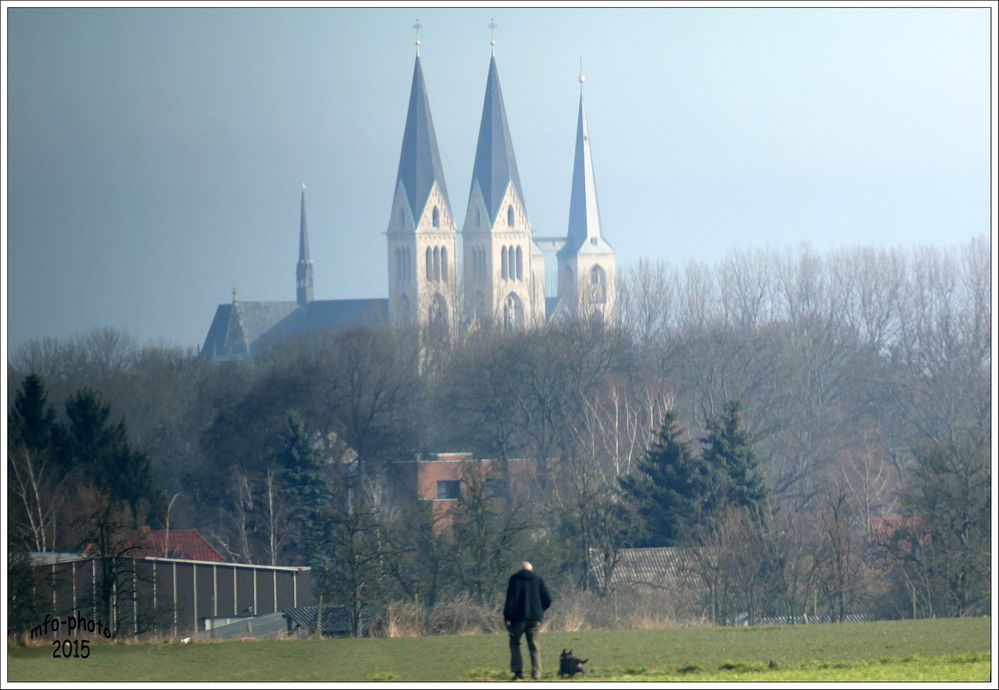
[(306, 478), (35, 481), (669, 489), (730, 462), (101, 451), (32, 420)]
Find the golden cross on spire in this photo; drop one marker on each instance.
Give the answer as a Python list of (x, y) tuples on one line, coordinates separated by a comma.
[(492, 36), (417, 26)]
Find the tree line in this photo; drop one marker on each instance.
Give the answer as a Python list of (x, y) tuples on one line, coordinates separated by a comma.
[(838, 406)]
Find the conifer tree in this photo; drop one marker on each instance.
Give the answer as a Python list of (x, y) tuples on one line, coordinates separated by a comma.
[(730, 462), (669, 489), (305, 475), (100, 449)]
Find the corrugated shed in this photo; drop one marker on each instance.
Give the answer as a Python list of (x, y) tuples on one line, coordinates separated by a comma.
[(336, 622)]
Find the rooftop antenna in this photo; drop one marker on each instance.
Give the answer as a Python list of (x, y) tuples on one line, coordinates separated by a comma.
[(492, 37), (417, 26)]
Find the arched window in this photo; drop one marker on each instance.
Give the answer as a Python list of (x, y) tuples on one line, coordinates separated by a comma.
[(598, 285), (437, 314), (520, 263), (430, 263), (402, 307), (437, 263), (503, 264), (437, 217), (444, 264), (513, 313), (509, 215)]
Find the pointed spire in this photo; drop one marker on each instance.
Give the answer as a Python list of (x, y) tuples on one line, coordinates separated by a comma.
[(584, 214), (303, 233), (420, 162), (303, 271), (495, 164)]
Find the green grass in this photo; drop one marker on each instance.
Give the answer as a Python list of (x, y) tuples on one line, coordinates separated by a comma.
[(924, 650)]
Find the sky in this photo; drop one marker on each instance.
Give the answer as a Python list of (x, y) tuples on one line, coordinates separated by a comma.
[(154, 156)]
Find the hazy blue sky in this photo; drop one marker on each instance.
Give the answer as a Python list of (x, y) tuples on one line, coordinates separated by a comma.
[(155, 155)]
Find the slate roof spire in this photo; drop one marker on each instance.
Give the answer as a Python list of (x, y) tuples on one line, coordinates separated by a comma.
[(420, 162), (495, 163), (584, 212), (303, 271)]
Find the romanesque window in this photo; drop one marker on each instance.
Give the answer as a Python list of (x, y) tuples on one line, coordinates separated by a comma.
[(444, 264), (520, 264), (402, 305), (437, 263), (509, 215), (513, 313), (598, 285), (437, 217), (430, 264), (503, 264)]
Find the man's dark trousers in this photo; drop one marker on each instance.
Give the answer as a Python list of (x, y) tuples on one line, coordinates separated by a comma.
[(529, 629)]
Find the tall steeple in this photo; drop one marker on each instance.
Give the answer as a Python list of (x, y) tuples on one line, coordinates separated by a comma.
[(586, 263), (584, 212), (420, 165), (495, 165), (303, 272), (421, 233), (503, 267)]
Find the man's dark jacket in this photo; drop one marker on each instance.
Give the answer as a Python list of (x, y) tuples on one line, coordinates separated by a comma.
[(527, 598)]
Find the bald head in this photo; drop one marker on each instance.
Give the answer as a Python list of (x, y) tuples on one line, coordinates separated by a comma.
[(526, 565)]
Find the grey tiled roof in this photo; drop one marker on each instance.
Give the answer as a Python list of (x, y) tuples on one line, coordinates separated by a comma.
[(495, 164), (242, 329), (668, 568), (420, 161)]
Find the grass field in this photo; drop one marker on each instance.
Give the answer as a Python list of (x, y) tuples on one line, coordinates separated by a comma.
[(954, 650)]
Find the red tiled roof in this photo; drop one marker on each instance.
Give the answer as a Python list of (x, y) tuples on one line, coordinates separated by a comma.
[(183, 543)]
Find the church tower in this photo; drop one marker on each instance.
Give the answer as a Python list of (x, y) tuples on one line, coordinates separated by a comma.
[(503, 269), (421, 230), (303, 272), (586, 263)]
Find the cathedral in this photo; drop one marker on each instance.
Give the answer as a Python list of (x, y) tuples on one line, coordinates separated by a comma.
[(500, 280)]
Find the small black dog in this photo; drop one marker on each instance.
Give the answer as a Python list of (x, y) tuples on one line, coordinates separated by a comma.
[(569, 665)]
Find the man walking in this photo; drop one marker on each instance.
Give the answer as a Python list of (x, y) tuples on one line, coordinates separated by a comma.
[(527, 599)]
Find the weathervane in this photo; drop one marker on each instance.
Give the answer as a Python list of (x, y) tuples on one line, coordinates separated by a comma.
[(492, 37), (417, 26)]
